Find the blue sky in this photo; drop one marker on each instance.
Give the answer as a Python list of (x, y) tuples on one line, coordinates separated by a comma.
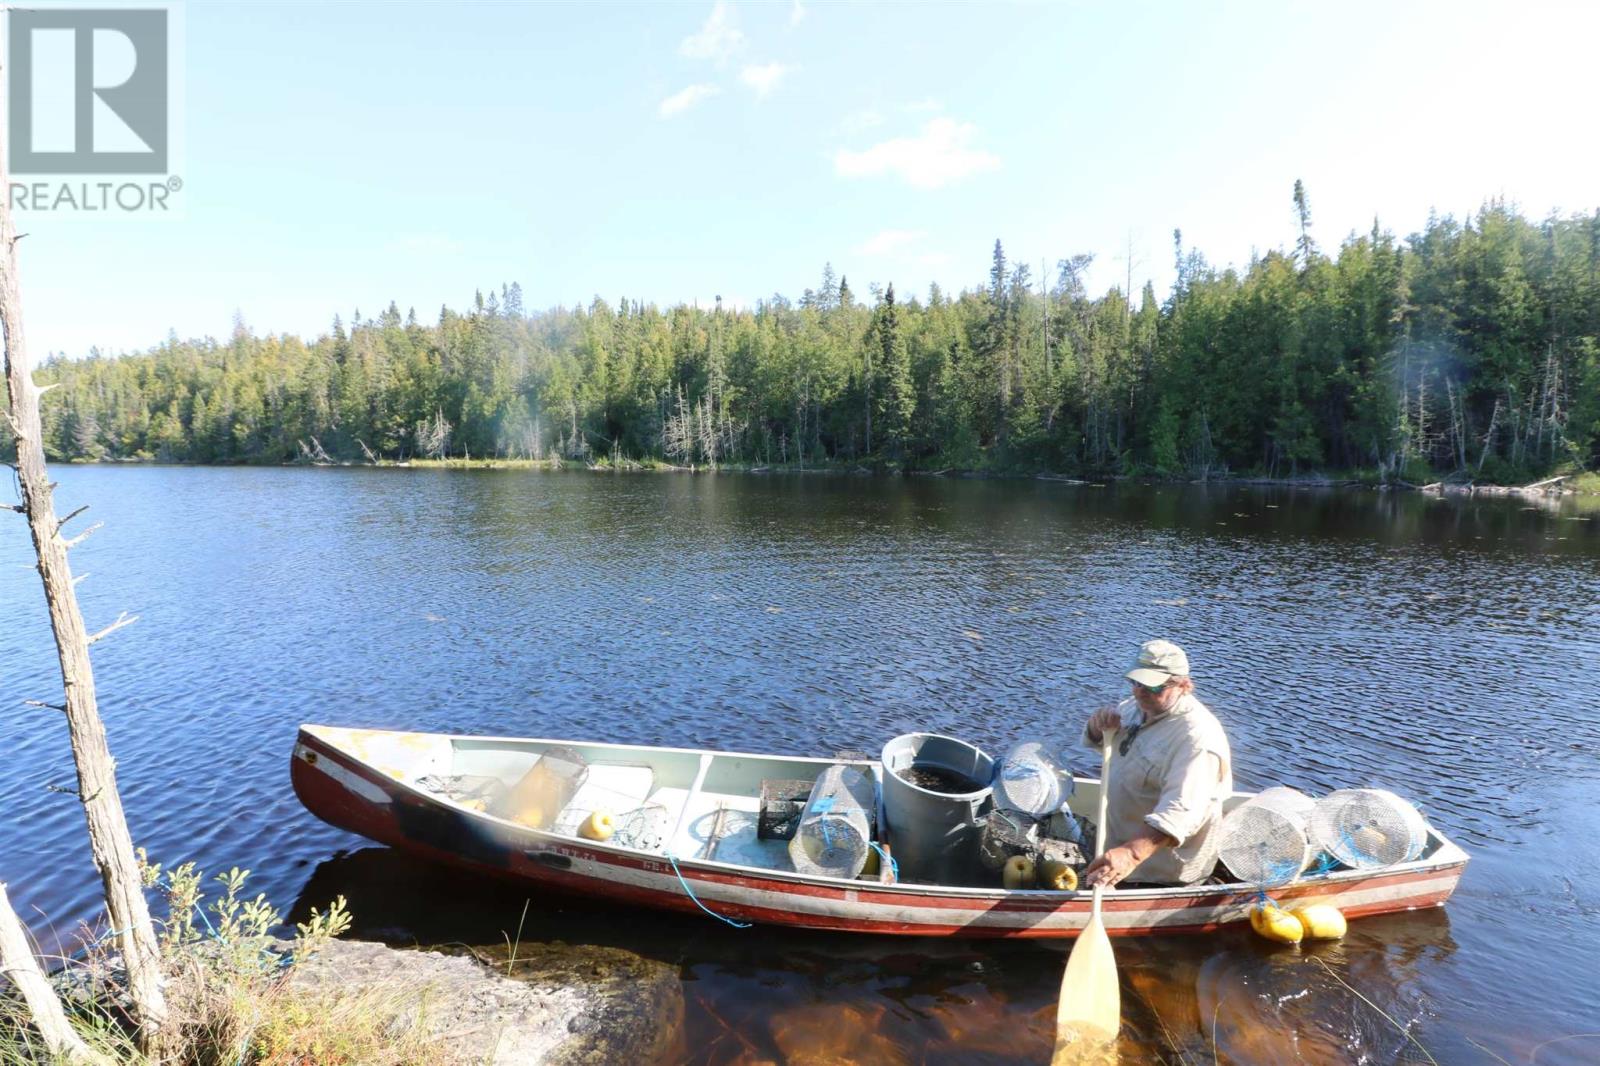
[(340, 156)]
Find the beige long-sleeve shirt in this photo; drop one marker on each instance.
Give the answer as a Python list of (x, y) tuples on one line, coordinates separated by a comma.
[(1174, 777)]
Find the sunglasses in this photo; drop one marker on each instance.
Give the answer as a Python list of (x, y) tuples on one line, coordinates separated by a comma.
[(1154, 690)]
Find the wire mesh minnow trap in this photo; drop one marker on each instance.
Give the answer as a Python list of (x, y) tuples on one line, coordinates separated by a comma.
[(1265, 840), (1368, 827)]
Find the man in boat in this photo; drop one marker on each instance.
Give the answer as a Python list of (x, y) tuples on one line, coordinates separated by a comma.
[(1171, 771)]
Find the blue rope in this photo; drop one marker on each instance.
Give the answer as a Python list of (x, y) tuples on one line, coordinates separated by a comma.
[(894, 867), (1325, 863), (822, 807), (720, 917)]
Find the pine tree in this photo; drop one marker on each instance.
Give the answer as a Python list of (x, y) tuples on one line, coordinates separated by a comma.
[(897, 396), (828, 294), (1304, 247)]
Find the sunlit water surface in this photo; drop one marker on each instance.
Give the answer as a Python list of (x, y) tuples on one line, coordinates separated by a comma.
[(1446, 649)]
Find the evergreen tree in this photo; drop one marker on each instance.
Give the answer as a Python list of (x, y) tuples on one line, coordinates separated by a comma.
[(896, 392), (1304, 248)]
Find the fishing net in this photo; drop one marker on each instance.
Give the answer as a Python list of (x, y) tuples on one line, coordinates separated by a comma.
[(643, 828), (1265, 840), (1368, 827), (1006, 833), (1029, 780)]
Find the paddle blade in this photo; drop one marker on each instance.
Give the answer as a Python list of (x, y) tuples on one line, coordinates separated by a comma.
[(1090, 1013)]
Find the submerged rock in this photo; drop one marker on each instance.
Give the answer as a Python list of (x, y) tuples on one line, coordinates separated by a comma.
[(827, 1034)]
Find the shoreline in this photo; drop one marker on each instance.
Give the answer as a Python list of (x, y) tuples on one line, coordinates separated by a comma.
[(1574, 484)]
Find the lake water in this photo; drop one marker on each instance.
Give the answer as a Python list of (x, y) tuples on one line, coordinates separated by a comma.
[(1447, 649)]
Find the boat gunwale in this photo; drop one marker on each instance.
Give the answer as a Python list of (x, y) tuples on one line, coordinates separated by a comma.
[(1446, 856)]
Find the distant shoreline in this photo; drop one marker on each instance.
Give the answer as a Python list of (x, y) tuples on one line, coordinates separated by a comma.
[(1586, 484)]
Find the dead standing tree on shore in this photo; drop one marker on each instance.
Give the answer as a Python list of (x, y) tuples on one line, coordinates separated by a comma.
[(18, 966), (109, 840)]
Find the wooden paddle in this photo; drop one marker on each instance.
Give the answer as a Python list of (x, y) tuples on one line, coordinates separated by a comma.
[(1090, 1013)]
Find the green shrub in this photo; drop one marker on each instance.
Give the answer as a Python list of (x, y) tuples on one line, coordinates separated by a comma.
[(229, 998)]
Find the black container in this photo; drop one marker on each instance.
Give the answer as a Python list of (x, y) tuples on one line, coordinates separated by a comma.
[(782, 804)]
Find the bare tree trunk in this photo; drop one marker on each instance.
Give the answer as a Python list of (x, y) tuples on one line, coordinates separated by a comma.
[(109, 841), (1488, 436), (18, 966)]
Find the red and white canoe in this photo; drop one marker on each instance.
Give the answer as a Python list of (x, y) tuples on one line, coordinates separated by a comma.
[(413, 791)]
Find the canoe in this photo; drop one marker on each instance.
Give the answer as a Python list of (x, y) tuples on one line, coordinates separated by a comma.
[(421, 793)]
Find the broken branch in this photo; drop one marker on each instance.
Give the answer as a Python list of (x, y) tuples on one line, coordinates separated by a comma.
[(123, 619), (63, 523), (53, 706), (81, 537)]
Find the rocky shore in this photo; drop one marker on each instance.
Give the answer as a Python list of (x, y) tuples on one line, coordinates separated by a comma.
[(554, 1003)]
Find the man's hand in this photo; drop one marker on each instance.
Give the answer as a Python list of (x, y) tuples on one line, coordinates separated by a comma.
[(1111, 867), (1119, 862), (1106, 718)]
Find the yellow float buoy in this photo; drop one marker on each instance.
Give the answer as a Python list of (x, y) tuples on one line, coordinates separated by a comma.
[(598, 826), (1277, 924), (1018, 872), (1058, 875), (1321, 921)]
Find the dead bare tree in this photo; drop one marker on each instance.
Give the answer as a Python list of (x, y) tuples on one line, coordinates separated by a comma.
[(433, 436), (18, 965), (109, 840), (315, 454)]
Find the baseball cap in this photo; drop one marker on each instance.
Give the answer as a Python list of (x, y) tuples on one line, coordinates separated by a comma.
[(1159, 661)]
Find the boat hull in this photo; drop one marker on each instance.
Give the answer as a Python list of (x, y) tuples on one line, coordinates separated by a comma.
[(353, 795)]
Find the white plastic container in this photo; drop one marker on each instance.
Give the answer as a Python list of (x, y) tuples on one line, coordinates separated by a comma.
[(835, 831)]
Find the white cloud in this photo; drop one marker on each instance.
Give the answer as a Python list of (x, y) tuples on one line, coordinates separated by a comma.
[(935, 259), (717, 40), (682, 101), (797, 12), (940, 154), (764, 78), (888, 241)]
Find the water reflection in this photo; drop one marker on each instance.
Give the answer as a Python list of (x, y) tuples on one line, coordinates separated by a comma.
[(1435, 647), (789, 997)]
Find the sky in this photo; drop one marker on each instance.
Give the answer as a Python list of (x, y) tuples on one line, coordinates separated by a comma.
[(336, 157)]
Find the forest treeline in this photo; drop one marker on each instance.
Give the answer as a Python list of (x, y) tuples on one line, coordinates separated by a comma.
[(1470, 346)]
